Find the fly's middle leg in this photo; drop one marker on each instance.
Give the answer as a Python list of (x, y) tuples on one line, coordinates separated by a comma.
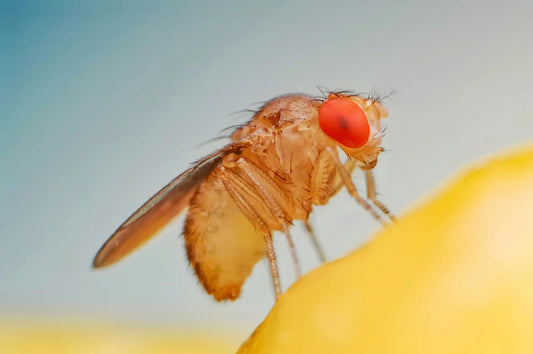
[(314, 239), (372, 195), (292, 249)]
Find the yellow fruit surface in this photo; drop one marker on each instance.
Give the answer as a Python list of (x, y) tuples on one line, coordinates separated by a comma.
[(453, 275), (48, 337)]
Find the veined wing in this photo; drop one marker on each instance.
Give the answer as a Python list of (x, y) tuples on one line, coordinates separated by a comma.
[(153, 215)]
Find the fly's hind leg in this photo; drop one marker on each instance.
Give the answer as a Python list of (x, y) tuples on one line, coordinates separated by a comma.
[(253, 207), (265, 205), (371, 194), (276, 202), (271, 255)]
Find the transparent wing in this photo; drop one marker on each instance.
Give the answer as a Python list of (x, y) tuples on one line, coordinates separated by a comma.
[(153, 215)]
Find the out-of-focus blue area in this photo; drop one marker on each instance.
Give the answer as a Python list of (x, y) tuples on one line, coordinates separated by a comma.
[(103, 102)]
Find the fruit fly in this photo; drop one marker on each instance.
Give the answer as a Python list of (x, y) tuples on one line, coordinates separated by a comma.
[(276, 167)]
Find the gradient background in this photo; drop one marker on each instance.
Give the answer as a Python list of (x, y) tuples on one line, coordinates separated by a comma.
[(103, 102)]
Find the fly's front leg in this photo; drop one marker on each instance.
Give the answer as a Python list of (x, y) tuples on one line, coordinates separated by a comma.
[(325, 183), (371, 194), (347, 180), (350, 166)]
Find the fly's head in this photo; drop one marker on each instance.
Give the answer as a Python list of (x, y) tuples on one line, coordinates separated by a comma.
[(353, 123)]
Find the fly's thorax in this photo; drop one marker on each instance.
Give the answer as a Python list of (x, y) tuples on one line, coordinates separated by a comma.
[(278, 113), (287, 156)]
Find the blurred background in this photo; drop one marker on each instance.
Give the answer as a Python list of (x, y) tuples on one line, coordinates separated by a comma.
[(103, 102)]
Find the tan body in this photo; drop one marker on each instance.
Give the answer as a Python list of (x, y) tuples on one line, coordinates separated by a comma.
[(277, 167)]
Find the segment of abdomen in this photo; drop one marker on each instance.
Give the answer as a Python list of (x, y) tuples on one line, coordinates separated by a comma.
[(233, 210), (222, 244)]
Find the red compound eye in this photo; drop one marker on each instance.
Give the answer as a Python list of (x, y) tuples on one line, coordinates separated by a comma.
[(345, 122)]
